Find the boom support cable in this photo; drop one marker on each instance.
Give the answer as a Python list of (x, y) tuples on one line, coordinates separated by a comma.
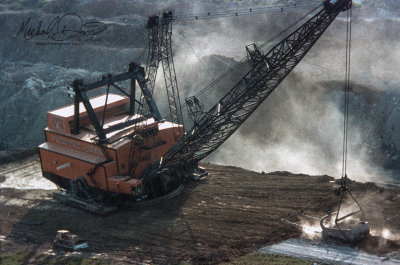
[(247, 11), (275, 37), (235, 66)]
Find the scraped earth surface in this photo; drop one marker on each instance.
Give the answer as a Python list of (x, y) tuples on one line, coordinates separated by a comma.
[(229, 213)]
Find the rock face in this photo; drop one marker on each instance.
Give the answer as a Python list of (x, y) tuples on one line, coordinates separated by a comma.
[(27, 99), (299, 123)]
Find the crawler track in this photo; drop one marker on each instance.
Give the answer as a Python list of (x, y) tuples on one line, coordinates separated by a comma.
[(147, 203)]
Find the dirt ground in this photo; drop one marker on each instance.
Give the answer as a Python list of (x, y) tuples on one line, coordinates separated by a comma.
[(229, 213)]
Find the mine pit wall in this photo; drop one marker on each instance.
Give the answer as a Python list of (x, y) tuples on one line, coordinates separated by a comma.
[(65, 157)]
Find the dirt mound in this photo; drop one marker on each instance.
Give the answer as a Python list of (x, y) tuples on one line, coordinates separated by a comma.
[(229, 213)]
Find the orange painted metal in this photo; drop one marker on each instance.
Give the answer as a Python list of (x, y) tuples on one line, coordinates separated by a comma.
[(68, 156), (60, 120)]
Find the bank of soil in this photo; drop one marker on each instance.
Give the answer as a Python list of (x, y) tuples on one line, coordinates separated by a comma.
[(229, 213)]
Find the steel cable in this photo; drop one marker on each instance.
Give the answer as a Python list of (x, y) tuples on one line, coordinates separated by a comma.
[(241, 12), (233, 68)]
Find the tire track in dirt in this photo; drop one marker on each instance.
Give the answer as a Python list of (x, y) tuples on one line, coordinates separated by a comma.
[(226, 214)]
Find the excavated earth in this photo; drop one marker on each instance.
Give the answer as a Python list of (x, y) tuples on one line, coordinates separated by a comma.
[(229, 213)]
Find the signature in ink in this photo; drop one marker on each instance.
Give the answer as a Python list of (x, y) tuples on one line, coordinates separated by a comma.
[(61, 28)]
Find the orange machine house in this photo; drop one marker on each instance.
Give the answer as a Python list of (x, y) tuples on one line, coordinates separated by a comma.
[(66, 156), (101, 145)]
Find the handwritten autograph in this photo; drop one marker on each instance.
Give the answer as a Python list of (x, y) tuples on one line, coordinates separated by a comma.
[(61, 28)]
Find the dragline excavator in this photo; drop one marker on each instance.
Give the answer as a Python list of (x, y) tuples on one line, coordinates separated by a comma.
[(114, 148)]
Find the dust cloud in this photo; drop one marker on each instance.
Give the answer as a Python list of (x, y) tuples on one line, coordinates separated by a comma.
[(298, 128)]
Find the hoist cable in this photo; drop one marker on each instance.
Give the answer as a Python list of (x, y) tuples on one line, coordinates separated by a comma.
[(344, 188), (347, 94)]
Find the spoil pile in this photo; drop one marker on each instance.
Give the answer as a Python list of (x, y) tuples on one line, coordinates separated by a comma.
[(227, 214)]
